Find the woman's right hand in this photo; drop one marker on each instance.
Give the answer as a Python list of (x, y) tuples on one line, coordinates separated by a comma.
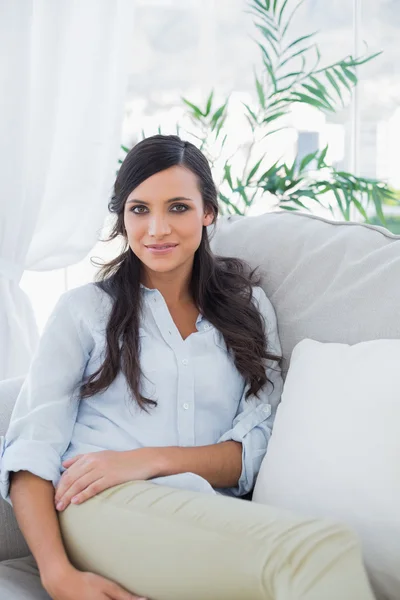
[(78, 585)]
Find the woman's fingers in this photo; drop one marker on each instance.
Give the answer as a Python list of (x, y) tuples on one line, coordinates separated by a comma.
[(91, 490), (118, 593), (71, 475), (70, 461), (71, 489)]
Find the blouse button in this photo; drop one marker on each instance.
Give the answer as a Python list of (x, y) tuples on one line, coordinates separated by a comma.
[(186, 406), (185, 362)]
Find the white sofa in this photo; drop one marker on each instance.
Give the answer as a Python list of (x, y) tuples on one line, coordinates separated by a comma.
[(328, 281)]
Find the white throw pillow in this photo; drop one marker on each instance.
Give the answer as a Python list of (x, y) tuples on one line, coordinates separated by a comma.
[(335, 447)]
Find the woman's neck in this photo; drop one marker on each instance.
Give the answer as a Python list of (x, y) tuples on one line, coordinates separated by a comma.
[(175, 289)]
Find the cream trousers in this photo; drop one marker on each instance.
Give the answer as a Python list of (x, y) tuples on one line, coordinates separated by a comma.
[(170, 544)]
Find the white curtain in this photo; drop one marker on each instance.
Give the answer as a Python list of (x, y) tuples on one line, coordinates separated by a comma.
[(63, 75)]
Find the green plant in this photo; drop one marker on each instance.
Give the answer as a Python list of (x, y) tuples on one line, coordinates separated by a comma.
[(291, 73)]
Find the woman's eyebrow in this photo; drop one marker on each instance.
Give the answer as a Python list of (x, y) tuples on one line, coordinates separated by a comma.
[(167, 202)]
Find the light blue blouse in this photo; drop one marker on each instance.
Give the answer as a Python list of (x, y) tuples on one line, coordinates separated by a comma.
[(199, 391)]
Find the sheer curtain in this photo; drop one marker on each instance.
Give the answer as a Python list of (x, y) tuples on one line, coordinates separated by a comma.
[(63, 76)]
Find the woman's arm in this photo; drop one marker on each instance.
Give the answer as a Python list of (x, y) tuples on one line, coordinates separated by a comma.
[(45, 412), (219, 464), (33, 502), (32, 499), (89, 474)]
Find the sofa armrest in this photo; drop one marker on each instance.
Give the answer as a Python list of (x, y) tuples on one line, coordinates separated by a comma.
[(12, 543)]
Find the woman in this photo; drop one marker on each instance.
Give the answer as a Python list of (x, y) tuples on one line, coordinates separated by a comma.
[(166, 369)]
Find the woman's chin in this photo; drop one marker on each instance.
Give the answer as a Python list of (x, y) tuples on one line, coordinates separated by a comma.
[(161, 265)]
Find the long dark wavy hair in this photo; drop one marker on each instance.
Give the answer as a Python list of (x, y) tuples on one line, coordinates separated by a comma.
[(221, 287)]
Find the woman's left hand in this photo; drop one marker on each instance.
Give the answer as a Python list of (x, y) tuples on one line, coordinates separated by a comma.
[(90, 474)]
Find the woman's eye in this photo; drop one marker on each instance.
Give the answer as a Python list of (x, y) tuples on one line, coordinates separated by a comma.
[(179, 208), (139, 210)]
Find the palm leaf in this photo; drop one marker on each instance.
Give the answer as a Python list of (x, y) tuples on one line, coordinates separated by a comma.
[(288, 22), (334, 84), (260, 92)]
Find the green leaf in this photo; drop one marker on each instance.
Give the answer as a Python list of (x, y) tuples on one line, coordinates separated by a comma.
[(261, 13), (228, 176), (298, 97), (260, 92), (196, 110), (253, 171), (342, 79), (361, 61), (338, 198), (307, 159), (272, 170), (272, 76), (378, 205), (290, 170), (319, 94), (263, 7), (221, 124), (320, 86), (251, 123), (274, 117), (281, 12), (360, 208), (298, 202), (271, 132), (267, 33), (350, 75), (242, 191), (294, 74), (280, 101), (266, 57), (125, 149), (288, 22), (270, 37), (292, 56), (209, 103), (251, 113), (321, 158), (229, 204), (334, 84), (217, 115), (301, 39)]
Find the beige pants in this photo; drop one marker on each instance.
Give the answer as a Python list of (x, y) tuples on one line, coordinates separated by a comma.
[(169, 544)]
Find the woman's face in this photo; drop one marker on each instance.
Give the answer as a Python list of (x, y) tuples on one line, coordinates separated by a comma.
[(164, 218)]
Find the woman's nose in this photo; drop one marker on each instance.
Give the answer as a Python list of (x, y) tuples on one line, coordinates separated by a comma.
[(159, 226)]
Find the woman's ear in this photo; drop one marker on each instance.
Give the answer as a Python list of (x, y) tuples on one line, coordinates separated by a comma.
[(208, 219)]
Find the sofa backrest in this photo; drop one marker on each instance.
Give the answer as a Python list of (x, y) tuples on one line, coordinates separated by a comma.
[(329, 281)]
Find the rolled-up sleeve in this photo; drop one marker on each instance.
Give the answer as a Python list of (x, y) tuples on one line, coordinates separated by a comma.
[(44, 415), (253, 423)]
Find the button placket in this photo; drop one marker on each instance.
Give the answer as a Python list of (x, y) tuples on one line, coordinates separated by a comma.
[(185, 401)]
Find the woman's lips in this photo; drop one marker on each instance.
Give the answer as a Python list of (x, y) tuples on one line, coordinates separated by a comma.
[(159, 249)]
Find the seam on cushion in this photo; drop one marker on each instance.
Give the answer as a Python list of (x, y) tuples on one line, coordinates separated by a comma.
[(388, 235)]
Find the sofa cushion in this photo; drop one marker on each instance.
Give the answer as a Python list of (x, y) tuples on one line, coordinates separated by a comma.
[(335, 449), (329, 281)]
